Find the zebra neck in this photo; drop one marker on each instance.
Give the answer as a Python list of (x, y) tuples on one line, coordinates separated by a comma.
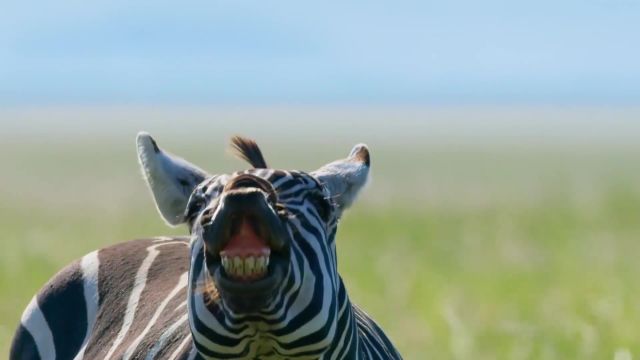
[(303, 320), (347, 342)]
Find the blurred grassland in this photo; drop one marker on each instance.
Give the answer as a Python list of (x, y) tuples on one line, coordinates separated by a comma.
[(497, 248)]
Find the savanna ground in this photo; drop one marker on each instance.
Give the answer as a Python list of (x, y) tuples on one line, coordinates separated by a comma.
[(478, 238)]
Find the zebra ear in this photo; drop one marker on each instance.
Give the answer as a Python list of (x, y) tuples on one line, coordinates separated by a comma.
[(344, 178), (170, 178)]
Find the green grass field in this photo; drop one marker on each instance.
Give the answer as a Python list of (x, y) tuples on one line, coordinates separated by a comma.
[(472, 250)]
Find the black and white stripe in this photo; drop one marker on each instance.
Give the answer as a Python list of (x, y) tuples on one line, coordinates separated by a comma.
[(144, 299)]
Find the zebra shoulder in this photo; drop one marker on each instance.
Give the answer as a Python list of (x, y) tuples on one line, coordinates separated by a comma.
[(51, 326), (58, 320)]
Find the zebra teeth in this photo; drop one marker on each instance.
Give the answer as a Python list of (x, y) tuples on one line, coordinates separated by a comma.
[(238, 266), (260, 261), (245, 268), (249, 265)]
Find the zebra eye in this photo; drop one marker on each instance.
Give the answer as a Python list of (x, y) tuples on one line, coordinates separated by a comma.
[(194, 205), (322, 206)]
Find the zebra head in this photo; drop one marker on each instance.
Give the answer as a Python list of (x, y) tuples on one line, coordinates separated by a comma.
[(263, 258)]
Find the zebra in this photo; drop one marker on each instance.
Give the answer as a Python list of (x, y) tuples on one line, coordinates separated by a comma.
[(256, 278)]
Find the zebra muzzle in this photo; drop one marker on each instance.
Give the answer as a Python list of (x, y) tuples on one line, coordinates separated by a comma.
[(246, 248)]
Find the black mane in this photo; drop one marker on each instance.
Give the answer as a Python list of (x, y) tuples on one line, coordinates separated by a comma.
[(249, 151)]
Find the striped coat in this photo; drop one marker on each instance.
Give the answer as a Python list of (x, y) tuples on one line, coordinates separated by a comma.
[(187, 297)]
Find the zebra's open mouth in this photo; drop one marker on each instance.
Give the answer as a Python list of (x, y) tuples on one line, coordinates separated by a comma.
[(246, 256), (247, 249)]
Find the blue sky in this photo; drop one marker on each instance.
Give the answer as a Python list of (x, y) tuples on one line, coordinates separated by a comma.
[(328, 52)]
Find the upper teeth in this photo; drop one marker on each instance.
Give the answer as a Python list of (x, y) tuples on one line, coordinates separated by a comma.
[(249, 267)]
